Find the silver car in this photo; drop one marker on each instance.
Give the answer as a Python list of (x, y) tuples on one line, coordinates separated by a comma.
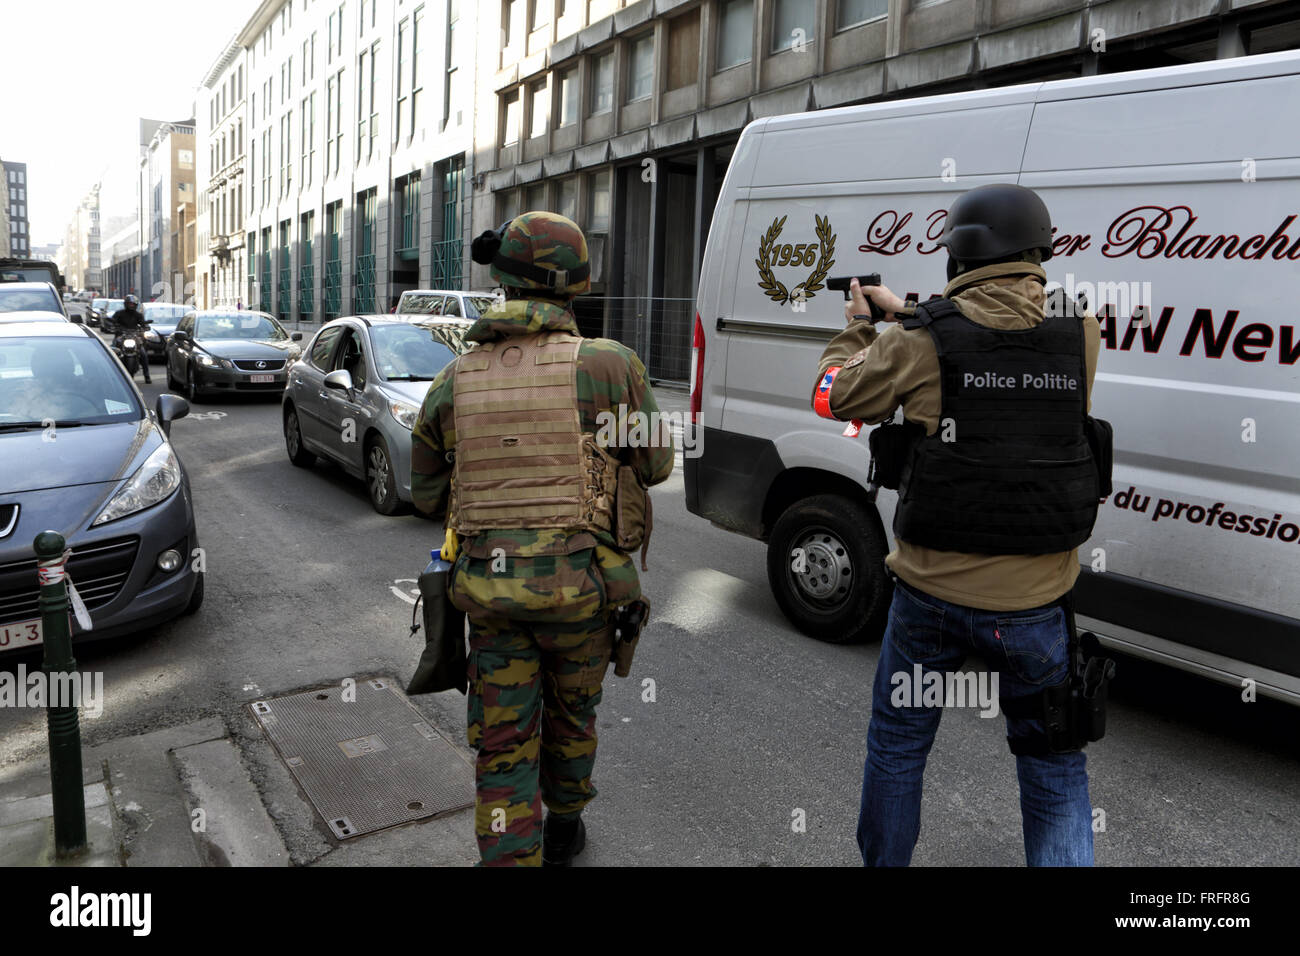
[(354, 395)]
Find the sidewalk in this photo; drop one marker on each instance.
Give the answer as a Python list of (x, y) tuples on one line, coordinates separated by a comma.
[(185, 796)]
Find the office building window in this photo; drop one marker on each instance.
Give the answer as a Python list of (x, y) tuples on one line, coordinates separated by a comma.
[(335, 46), (598, 203), (567, 201), (367, 102), (266, 167), (852, 12), (793, 22), (402, 81), (512, 22), (569, 97), (308, 136), (539, 106), (641, 68), (683, 50), (602, 84), (510, 119), (735, 33), (539, 14), (286, 152), (333, 122)]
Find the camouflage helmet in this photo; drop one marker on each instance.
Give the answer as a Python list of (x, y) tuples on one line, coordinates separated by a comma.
[(537, 250)]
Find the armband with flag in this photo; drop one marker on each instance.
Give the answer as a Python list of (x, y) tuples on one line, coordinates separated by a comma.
[(822, 399)]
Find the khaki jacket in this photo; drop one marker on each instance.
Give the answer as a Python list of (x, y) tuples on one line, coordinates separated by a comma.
[(899, 367)]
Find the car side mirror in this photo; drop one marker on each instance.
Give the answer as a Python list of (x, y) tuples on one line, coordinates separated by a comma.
[(76, 320), (168, 408), (179, 336), (340, 378), (296, 337)]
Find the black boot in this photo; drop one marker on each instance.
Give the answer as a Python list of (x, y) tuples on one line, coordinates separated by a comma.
[(563, 838)]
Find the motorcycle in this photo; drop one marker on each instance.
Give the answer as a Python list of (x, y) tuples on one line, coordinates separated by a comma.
[(130, 348)]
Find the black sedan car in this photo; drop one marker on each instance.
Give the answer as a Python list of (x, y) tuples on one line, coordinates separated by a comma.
[(163, 317), (219, 351), (81, 454)]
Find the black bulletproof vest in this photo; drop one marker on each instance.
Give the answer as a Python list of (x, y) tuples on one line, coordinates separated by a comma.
[(1016, 475)]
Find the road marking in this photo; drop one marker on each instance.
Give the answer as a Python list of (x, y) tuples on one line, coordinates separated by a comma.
[(400, 593)]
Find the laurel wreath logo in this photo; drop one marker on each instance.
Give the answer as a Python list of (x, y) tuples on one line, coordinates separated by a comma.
[(773, 287)]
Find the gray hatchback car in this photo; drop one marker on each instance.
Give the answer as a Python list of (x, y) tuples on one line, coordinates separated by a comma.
[(82, 454), (354, 394)]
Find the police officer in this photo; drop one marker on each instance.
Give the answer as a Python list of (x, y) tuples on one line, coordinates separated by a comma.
[(994, 500), (129, 319), (510, 443)]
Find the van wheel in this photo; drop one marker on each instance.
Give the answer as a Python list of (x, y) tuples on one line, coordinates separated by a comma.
[(826, 567)]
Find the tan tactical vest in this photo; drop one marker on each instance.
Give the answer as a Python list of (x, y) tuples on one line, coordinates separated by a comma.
[(522, 460)]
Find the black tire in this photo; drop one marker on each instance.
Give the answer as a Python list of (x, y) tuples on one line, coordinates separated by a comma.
[(841, 592), (299, 455), (132, 364), (381, 483), (192, 391), (196, 598)]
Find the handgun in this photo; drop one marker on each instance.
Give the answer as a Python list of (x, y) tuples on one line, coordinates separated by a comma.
[(841, 284)]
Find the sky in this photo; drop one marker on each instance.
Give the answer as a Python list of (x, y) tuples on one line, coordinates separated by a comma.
[(87, 70)]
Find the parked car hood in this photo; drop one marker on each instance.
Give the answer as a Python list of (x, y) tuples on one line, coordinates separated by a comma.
[(245, 348), (412, 392), (83, 455)]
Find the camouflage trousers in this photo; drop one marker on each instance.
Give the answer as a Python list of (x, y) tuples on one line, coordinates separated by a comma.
[(532, 718)]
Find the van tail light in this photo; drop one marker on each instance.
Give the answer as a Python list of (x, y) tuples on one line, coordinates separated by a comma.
[(697, 371)]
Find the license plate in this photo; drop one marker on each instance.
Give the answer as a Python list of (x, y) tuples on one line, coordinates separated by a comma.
[(261, 378), (21, 634)]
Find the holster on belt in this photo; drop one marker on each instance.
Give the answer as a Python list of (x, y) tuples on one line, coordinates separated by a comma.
[(628, 622)]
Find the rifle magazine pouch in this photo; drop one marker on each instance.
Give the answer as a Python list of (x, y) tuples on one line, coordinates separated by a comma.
[(443, 663), (1100, 436), (630, 508)]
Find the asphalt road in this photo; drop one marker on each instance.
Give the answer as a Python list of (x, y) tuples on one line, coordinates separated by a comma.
[(752, 726)]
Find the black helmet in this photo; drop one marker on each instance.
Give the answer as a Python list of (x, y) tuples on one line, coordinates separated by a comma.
[(992, 223), (130, 302)]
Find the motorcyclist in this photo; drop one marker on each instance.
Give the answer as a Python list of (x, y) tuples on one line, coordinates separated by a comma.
[(129, 319)]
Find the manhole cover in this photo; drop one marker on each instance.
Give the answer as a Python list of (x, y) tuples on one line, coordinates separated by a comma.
[(366, 763)]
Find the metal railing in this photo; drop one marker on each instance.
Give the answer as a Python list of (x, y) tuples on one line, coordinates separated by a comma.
[(332, 290), (306, 289), (286, 290), (447, 264), (363, 297), (659, 330)]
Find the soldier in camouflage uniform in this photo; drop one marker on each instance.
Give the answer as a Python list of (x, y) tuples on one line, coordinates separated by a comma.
[(517, 423)]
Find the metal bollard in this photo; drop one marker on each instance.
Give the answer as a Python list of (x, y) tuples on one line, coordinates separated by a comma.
[(69, 796)]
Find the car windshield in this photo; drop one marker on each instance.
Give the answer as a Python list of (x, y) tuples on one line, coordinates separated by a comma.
[(164, 313), (420, 303), (415, 353), (108, 305), (239, 325), (29, 300), (13, 272), (64, 380), (476, 305)]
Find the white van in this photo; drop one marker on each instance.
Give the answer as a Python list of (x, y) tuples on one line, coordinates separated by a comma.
[(1174, 190)]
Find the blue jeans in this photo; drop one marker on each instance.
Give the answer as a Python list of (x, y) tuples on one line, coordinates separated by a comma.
[(1028, 651)]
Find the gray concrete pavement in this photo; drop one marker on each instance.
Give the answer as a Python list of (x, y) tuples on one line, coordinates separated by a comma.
[(747, 727)]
